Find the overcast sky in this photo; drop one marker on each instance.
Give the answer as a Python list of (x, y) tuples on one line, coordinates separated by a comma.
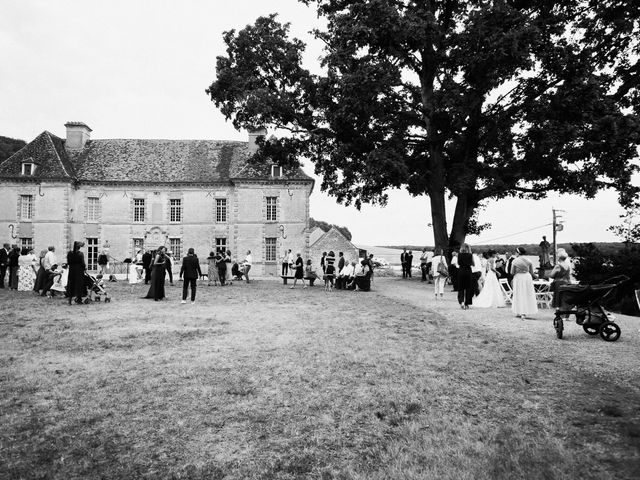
[(138, 69)]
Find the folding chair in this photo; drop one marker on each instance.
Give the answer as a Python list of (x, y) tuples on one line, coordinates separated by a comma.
[(544, 295), (506, 290)]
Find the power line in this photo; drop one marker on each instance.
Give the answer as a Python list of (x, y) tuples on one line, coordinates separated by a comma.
[(514, 234)]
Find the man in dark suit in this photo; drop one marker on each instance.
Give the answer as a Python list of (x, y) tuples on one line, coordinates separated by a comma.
[(409, 262), (146, 264), (403, 263), (339, 283), (4, 263), (507, 267), (191, 271)]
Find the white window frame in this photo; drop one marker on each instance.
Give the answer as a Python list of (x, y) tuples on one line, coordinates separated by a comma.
[(222, 207), (93, 209), (270, 249), (175, 210), (175, 247), (26, 207), (272, 209), (221, 244), (139, 210), (276, 171), (31, 166)]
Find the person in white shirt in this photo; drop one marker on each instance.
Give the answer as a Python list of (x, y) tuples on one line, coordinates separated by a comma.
[(476, 274), (439, 273), (347, 273), (50, 258), (453, 271), (424, 269), (286, 260), (246, 265)]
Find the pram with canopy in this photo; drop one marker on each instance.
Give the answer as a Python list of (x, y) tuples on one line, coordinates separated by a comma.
[(585, 302)]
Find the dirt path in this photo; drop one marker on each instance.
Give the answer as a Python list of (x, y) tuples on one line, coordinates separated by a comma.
[(620, 359)]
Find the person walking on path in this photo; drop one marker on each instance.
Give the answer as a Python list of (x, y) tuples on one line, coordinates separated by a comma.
[(246, 265), (77, 267), (190, 273), (465, 277), (453, 271), (299, 275), (523, 302), (440, 273), (424, 269)]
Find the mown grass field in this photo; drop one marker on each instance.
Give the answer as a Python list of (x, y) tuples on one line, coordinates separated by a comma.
[(263, 382)]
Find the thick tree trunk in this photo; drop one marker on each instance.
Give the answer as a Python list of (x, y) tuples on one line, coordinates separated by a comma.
[(464, 211), (439, 218)]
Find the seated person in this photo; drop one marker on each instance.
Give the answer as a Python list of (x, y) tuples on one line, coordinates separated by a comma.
[(347, 274), (235, 271), (362, 279), (309, 272)]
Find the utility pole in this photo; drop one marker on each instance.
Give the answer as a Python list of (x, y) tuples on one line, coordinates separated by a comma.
[(557, 227)]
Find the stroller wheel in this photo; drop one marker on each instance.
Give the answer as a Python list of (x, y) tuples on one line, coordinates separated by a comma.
[(87, 301), (609, 331), (97, 299), (107, 300), (590, 329), (558, 324)]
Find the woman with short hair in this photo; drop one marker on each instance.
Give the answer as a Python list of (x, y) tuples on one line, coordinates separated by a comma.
[(27, 270)]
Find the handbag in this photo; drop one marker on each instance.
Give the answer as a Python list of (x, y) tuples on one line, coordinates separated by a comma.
[(442, 267)]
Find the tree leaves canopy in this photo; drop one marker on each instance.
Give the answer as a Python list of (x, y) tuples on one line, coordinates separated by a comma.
[(473, 99)]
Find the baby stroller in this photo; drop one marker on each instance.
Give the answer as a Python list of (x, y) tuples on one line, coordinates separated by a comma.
[(95, 286), (584, 301)]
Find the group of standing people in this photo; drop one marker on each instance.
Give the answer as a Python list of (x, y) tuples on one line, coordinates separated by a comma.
[(223, 269)]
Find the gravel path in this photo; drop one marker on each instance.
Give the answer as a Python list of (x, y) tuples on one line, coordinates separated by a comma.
[(535, 337)]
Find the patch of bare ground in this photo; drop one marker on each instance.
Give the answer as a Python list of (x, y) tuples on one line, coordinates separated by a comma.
[(260, 381)]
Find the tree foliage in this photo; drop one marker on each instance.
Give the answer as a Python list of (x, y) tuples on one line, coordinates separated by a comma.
[(325, 226), (477, 100), (9, 146)]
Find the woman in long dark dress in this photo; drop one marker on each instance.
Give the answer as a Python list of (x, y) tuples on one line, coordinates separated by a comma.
[(156, 290), (465, 277), (41, 275), (299, 275), (77, 266)]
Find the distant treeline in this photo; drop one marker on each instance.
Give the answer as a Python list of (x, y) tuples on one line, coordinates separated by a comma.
[(607, 248), (9, 146)]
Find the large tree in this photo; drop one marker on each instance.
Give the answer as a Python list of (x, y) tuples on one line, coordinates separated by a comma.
[(477, 100)]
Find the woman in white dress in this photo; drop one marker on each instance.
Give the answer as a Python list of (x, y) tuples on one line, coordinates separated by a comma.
[(27, 270), (491, 294), (439, 278), (523, 302)]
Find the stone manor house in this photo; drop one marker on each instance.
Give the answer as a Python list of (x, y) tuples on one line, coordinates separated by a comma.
[(128, 194)]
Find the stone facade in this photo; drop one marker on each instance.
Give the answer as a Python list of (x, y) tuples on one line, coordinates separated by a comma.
[(331, 240), (123, 194)]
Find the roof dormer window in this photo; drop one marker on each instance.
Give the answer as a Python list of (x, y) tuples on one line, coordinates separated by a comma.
[(28, 168), (276, 171)]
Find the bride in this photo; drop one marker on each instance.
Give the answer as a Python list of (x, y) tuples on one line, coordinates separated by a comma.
[(491, 294)]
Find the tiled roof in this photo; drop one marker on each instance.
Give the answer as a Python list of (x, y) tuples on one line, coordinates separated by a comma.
[(47, 152), (139, 161)]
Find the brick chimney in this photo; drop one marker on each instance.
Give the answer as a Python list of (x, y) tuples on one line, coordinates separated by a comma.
[(253, 136), (77, 135)]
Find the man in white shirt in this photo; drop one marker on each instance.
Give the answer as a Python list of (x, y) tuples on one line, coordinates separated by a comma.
[(246, 265), (50, 258), (347, 273)]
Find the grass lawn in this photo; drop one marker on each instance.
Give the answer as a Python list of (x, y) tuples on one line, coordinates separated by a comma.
[(260, 381)]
